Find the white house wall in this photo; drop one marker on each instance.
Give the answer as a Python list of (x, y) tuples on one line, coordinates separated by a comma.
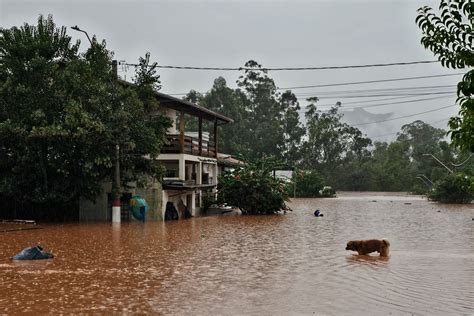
[(203, 165)]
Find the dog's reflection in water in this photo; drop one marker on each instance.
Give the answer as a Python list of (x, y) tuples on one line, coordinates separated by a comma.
[(368, 259)]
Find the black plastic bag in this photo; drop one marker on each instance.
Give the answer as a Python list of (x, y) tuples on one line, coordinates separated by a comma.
[(32, 253), (171, 213)]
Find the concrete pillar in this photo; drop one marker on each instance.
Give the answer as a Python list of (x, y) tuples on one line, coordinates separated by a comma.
[(214, 167), (164, 200), (182, 168), (200, 136), (181, 132), (192, 207), (116, 212), (200, 198), (199, 174), (215, 174), (215, 136)]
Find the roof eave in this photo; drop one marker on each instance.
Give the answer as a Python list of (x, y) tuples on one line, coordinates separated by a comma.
[(171, 102)]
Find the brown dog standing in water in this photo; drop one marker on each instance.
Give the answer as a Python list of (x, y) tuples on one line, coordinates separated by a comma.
[(364, 247)]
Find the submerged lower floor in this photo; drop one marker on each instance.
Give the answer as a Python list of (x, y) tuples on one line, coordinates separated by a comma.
[(186, 199)]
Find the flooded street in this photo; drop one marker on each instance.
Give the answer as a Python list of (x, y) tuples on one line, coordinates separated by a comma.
[(263, 265)]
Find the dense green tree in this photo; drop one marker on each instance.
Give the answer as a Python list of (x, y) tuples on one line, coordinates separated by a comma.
[(331, 142), (340, 155), (455, 188), (336, 153), (398, 167), (463, 162), (253, 189), (62, 117), (146, 127), (264, 125), (353, 173), (265, 122), (193, 96), (229, 102), (326, 133), (421, 136), (423, 140), (293, 129), (450, 37), (308, 183), (192, 122)]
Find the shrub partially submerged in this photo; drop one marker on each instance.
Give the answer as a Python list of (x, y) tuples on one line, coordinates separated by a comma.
[(455, 188), (309, 183), (253, 189)]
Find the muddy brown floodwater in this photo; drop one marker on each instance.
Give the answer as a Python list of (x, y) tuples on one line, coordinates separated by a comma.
[(263, 265)]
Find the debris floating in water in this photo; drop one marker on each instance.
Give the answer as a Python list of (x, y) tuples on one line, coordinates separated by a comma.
[(33, 253)]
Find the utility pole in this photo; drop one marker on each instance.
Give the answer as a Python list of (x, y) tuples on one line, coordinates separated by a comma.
[(294, 176), (116, 211), (116, 192)]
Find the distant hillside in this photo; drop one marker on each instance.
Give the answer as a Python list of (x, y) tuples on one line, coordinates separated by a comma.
[(373, 131)]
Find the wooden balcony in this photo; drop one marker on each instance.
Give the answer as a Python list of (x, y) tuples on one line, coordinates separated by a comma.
[(190, 146)]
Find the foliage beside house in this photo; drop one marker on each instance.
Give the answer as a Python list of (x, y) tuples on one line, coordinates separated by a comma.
[(64, 120), (253, 188)]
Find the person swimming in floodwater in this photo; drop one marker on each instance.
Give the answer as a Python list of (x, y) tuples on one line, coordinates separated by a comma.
[(317, 213)]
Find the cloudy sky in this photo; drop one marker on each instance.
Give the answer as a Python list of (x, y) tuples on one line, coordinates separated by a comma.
[(276, 34)]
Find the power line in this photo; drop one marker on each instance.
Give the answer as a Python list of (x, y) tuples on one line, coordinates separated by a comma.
[(382, 104), (405, 116), (289, 68), (350, 83), (311, 93), (398, 102), (398, 89), (334, 94), (343, 105), (369, 81), (367, 101), (374, 95), (340, 97), (397, 96), (393, 91)]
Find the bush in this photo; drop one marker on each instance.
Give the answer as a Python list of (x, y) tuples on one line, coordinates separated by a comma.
[(455, 188), (308, 183), (253, 189), (420, 189)]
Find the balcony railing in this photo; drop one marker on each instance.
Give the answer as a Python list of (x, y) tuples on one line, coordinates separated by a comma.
[(190, 146)]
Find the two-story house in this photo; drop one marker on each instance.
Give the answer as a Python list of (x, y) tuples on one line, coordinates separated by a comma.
[(190, 160), (190, 157)]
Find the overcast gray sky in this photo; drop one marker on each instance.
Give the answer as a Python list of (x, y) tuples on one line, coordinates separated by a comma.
[(274, 33)]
